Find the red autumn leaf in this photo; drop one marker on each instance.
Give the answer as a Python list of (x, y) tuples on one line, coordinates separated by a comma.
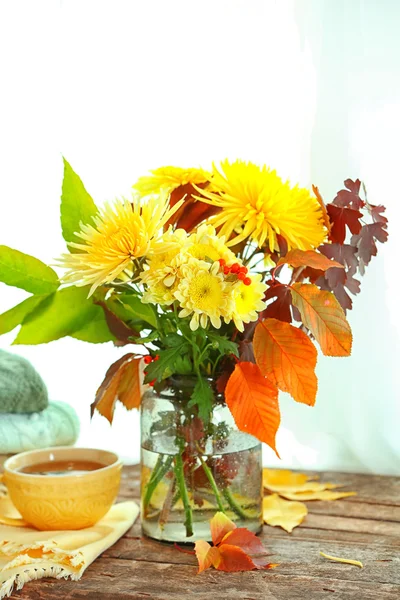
[(192, 212), (376, 213), (246, 352), (308, 258), (350, 197), (122, 382), (336, 280), (287, 356), (253, 402), (245, 539), (340, 218), (345, 254), (366, 242), (121, 330), (322, 314), (237, 550), (234, 559), (280, 308)]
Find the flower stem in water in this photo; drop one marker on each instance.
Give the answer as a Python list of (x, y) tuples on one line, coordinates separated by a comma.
[(180, 478), (234, 505), (158, 473), (213, 484)]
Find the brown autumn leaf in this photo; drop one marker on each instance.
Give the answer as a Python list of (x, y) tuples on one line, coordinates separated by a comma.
[(122, 382), (287, 356), (253, 402), (322, 314)]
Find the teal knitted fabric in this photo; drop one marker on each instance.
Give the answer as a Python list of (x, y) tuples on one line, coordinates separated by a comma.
[(22, 390), (56, 425)]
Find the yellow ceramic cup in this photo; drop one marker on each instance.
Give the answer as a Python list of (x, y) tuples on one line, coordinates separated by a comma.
[(53, 502)]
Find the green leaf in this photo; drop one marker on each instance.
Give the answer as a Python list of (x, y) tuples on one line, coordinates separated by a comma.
[(222, 343), (96, 330), (77, 205), (202, 397), (147, 339), (16, 315), (174, 339), (61, 314), (26, 272), (183, 365), (165, 366), (138, 310)]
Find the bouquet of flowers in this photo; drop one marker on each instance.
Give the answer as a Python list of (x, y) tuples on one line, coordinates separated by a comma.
[(226, 279)]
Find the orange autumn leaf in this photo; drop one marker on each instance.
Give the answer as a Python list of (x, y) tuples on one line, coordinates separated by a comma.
[(122, 382), (206, 555), (322, 314), (308, 258), (220, 525), (288, 357), (233, 558), (234, 549), (253, 402), (322, 204)]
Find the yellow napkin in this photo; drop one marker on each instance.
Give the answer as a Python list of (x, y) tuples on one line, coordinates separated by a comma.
[(27, 554)]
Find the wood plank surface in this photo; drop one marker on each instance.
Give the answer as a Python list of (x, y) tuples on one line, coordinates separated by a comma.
[(365, 527)]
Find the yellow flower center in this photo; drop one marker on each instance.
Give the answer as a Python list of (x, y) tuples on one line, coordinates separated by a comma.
[(246, 299), (205, 292), (203, 251)]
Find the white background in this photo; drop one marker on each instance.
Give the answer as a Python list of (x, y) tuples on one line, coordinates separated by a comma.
[(310, 87)]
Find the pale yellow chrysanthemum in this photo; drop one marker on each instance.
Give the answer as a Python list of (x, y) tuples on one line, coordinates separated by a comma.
[(248, 301), (169, 178), (205, 244), (203, 294), (257, 204), (161, 270), (121, 232)]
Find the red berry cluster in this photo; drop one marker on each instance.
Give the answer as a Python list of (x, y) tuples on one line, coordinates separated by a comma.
[(147, 360), (235, 269)]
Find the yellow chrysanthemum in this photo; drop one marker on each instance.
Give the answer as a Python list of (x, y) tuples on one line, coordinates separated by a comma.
[(120, 233), (169, 178), (162, 269), (203, 294), (205, 244), (257, 204), (248, 301)]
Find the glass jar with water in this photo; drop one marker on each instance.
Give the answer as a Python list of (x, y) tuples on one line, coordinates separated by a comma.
[(192, 467)]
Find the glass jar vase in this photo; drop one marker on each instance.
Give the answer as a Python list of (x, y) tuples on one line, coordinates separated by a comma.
[(191, 468)]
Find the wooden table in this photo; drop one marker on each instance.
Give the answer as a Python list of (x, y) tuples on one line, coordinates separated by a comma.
[(364, 527)]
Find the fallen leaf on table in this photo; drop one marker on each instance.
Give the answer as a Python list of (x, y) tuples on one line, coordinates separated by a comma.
[(348, 561), (293, 485), (321, 495), (283, 477), (283, 513), (234, 549)]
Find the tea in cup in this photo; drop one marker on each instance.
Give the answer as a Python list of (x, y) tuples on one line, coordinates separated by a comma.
[(62, 488)]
